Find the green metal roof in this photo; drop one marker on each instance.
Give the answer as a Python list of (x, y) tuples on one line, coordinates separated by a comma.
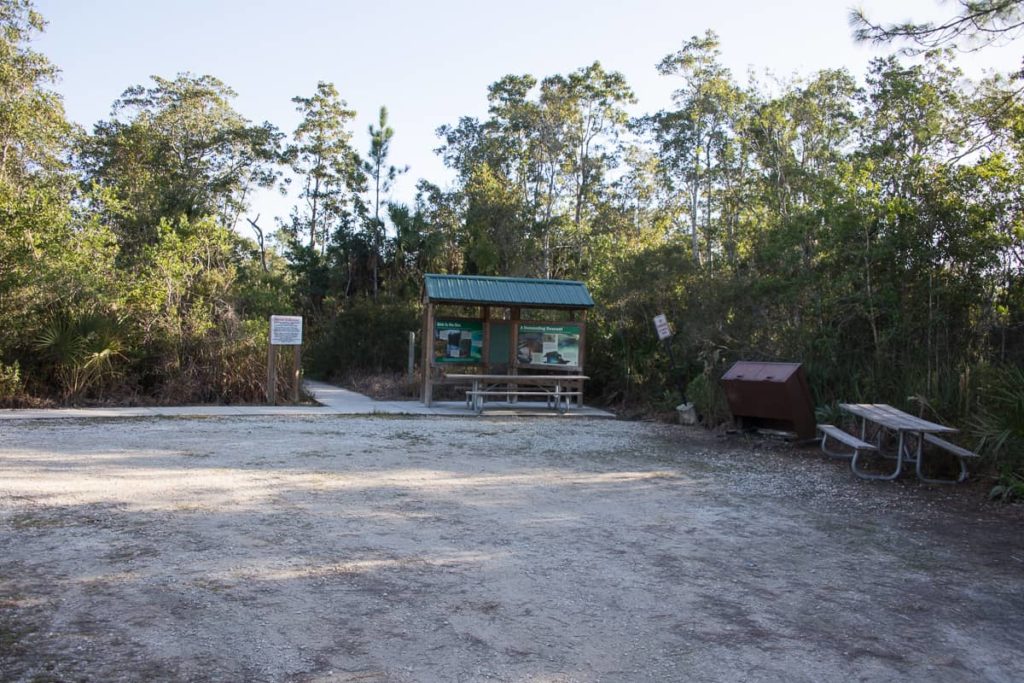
[(507, 291)]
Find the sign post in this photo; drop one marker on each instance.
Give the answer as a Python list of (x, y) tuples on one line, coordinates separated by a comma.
[(285, 330), (412, 358), (664, 331)]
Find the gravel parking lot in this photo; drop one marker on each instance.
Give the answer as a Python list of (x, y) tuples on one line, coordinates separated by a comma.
[(431, 549)]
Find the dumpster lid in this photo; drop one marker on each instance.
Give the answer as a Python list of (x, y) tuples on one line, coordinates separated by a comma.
[(761, 371)]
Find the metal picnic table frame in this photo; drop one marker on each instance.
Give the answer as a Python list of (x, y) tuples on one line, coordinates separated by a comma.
[(878, 418), (558, 389)]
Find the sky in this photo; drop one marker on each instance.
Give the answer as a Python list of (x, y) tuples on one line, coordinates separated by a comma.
[(430, 62)]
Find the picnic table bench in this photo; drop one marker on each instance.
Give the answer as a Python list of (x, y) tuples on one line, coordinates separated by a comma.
[(558, 390), (911, 432), (837, 434)]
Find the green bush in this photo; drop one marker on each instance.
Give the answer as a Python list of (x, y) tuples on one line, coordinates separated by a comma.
[(84, 353), (829, 413), (1009, 488), (368, 335), (10, 383), (706, 394), (999, 427), (226, 364)]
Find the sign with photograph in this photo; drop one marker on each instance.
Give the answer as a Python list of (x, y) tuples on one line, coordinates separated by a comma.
[(286, 330), (458, 341), (556, 345)]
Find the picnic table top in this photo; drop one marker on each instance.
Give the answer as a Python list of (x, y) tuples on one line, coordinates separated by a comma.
[(894, 418)]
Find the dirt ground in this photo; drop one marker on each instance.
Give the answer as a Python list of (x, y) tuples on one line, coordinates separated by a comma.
[(396, 549)]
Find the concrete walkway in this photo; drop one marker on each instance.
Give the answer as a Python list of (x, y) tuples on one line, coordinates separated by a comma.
[(333, 401)]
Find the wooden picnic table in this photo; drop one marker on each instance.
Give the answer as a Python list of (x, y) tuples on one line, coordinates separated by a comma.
[(877, 419), (557, 390)]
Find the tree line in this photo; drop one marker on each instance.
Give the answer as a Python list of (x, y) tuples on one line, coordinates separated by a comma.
[(869, 227)]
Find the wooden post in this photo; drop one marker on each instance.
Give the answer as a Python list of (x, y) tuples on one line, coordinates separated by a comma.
[(428, 353), (486, 355), (583, 354), (271, 374), (514, 351), (297, 372), (514, 336), (426, 340), (412, 358)]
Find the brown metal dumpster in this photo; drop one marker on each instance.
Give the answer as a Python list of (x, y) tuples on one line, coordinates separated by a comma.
[(770, 395)]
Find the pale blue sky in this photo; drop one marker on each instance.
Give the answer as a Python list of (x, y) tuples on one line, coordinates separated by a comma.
[(430, 62)]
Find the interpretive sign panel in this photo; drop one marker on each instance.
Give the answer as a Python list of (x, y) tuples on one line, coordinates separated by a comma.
[(458, 341), (557, 344), (286, 330)]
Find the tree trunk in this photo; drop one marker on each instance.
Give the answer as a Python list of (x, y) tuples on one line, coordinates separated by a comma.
[(694, 199), (376, 227)]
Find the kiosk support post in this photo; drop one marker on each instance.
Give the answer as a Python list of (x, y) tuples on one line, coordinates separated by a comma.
[(297, 373), (271, 374)]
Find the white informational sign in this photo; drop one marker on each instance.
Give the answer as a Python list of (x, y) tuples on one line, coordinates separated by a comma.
[(286, 330), (661, 325)]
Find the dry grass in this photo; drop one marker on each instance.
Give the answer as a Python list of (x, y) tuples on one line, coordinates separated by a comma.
[(386, 386)]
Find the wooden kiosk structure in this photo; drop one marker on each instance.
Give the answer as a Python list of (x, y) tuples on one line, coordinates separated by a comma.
[(507, 346)]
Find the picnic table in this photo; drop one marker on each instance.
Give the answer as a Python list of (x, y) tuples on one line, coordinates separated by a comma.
[(557, 390), (911, 432)]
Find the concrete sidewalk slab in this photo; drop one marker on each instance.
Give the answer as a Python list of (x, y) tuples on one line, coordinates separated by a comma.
[(343, 401), (333, 401)]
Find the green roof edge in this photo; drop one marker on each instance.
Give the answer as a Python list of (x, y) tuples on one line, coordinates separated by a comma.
[(495, 279)]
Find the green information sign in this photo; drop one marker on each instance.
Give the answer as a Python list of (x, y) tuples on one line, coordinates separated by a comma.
[(551, 345), (458, 341)]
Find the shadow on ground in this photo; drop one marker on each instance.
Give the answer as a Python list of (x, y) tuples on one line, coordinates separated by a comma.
[(316, 549)]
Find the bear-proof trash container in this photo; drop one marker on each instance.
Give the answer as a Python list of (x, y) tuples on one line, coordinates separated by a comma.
[(770, 395)]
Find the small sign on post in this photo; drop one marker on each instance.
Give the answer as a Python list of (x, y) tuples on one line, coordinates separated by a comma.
[(664, 331), (285, 330), (662, 326)]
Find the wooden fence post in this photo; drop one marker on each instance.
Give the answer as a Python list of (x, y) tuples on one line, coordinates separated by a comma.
[(428, 354), (271, 374), (297, 376), (412, 358)]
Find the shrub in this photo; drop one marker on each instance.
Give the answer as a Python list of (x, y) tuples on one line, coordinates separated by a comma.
[(226, 364), (1009, 488), (367, 336), (706, 394), (84, 352), (10, 383), (999, 428)]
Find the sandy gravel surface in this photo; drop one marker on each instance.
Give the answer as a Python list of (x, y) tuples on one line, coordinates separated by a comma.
[(429, 549)]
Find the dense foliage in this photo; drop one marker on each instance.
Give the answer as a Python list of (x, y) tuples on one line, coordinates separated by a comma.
[(871, 229)]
